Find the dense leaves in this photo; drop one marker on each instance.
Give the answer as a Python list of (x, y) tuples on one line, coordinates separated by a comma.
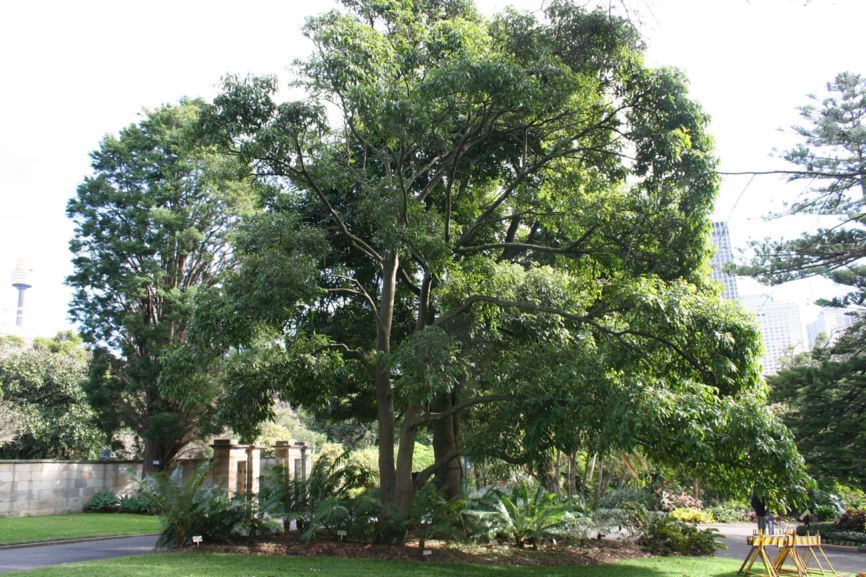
[(42, 387), (491, 231), (152, 226)]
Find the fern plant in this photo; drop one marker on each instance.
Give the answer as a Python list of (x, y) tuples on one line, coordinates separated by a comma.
[(525, 517), (334, 477), (189, 508)]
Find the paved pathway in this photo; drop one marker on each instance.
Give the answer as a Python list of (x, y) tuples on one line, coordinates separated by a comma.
[(21, 558), (735, 538)]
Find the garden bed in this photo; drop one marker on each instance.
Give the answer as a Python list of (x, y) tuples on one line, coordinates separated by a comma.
[(590, 553)]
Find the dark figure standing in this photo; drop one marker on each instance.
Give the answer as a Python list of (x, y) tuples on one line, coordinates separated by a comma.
[(765, 518)]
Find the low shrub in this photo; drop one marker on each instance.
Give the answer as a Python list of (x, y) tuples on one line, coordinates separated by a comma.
[(619, 498), (136, 504), (832, 534), (852, 521), (187, 508), (723, 514), (825, 512), (664, 535), (668, 501), (102, 502), (524, 517), (692, 515)]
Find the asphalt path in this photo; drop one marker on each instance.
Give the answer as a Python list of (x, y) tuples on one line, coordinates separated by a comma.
[(32, 557), (844, 563)]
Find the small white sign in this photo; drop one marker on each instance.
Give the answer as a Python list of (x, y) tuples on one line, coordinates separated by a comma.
[(427, 552), (341, 533), (197, 539), (156, 462)]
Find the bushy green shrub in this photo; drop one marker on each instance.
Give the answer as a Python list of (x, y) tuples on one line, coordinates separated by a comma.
[(664, 535), (102, 502), (825, 512), (619, 498), (352, 518), (725, 514), (188, 508), (832, 534), (335, 476), (692, 515), (136, 504)]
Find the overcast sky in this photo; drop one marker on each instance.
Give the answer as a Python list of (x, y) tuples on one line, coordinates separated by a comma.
[(74, 71)]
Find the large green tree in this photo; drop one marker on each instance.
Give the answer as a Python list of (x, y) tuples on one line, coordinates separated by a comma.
[(151, 228), (832, 158), (823, 392), (41, 391), (485, 228), (824, 395)]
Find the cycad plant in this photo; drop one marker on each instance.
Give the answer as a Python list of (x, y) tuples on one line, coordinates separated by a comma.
[(525, 517), (188, 508), (334, 477)]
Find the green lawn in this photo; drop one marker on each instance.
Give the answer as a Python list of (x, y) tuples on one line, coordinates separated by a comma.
[(224, 565), (73, 526)]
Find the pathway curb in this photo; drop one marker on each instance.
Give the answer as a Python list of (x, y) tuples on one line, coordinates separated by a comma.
[(71, 541)]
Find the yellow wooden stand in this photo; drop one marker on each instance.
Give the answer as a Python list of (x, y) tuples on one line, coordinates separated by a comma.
[(791, 548)]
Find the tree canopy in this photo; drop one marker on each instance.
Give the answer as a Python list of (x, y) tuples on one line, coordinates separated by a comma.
[(41, 394), (492, 230), (831, 156), (152, 226), (822, 392)]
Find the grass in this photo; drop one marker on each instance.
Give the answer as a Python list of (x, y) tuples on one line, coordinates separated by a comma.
[(226, 565), (73, 526)]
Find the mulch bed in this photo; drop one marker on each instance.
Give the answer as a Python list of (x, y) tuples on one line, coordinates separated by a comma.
[(590, 553)]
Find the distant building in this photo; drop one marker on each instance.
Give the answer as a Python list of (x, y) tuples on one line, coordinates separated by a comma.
[(723, 255), (831, 323), (780, 327)]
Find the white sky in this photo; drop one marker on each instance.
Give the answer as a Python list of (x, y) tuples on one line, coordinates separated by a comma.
[(74, 71)]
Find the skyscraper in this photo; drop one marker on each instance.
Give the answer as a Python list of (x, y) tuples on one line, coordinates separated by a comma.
[(831, 323), (722, 256), (780, 327)]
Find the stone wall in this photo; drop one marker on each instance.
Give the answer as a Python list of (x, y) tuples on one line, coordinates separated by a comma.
[(51, 487)]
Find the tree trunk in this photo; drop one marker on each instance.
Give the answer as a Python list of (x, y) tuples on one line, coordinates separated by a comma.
[(588, 472), (157, 457), (384, 393), (449, 477), (405, 487), (546, 474)]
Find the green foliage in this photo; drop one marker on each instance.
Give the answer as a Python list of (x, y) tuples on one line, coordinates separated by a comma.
[(687, 515), (831, 158), (619, 498), (463, 234), (104, 502), (136, 504), (319, 500), (727, 514), (353, 517), (151, 229), (188, 508), (433, 516), (820, 395), (42, 386), (525, 517), (825, 512), (832, 533), (663, 534)]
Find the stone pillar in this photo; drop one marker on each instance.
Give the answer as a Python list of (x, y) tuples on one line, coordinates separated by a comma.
[(235, 467), (306, 462), (281, 454), (222, 468)]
